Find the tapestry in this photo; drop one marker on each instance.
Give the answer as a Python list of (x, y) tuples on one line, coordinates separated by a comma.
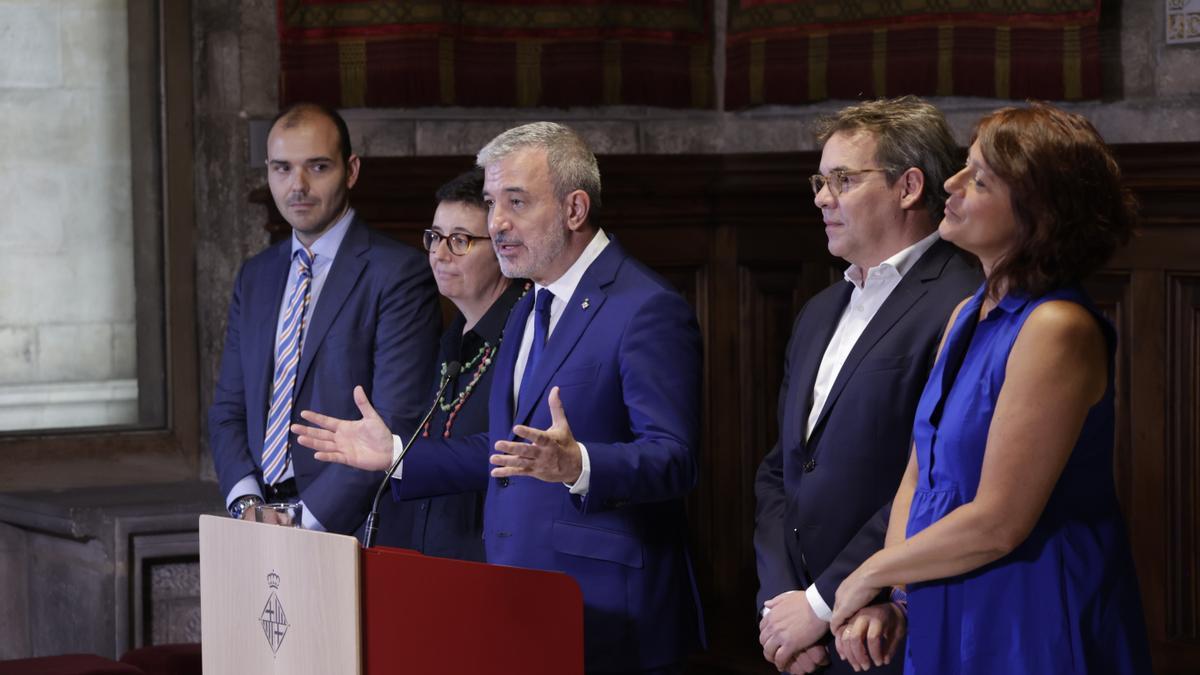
[(501, 53), (799, 51)]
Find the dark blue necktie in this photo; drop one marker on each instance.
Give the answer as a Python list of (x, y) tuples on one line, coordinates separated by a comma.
[(541, 328)]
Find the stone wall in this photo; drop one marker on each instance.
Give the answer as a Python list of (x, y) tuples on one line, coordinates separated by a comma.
[(235, 72), (67, 343), (100, 570)]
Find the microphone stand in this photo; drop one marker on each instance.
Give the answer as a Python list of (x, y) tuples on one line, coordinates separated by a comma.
[(372, 526)]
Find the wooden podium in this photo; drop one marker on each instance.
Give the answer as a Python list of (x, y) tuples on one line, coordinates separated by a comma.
[(285, 600)]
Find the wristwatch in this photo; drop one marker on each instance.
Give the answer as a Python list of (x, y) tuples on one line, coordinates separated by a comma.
[(239, 505)]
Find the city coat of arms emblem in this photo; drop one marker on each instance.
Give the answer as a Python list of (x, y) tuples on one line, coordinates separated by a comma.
[(273, 619)]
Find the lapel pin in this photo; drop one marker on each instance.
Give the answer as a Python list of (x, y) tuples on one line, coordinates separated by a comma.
[(584, 304)]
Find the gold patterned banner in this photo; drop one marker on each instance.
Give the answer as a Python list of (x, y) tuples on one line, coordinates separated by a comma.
[(496, 52), (799, 51)]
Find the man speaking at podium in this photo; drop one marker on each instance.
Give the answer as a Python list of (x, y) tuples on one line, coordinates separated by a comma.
[(606, 344)]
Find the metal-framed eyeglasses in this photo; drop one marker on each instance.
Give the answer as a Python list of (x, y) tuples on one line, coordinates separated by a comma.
[(459, 242), (838, 180)]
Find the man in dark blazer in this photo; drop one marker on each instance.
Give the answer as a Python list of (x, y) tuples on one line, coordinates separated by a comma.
[(360, 309), (855, 366), (599, 497)]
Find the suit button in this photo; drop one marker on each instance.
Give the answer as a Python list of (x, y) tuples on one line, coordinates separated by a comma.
[(503, 482), (810, 465), (796, 532)]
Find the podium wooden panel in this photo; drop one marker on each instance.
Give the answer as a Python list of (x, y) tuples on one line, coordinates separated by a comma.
[(285, 600), (277, 599)]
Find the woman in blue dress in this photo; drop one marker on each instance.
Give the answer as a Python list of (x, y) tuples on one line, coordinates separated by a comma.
[(1006, 530)]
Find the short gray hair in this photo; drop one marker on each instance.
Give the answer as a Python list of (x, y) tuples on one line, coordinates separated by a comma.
[(571, 163), (910, 132)]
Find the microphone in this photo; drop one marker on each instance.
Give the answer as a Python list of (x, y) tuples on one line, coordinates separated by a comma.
[(372, 527)]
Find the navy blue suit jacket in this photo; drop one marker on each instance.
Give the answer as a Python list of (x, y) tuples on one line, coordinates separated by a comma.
[(626, 357), (821, 503), (375, 324)]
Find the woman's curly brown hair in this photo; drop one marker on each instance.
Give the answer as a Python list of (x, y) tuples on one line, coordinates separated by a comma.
[(1071, 209)]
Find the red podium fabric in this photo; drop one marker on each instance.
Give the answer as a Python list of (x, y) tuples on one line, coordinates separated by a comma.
[(175, 659), (434, 615), (798, 51), (508, 53)]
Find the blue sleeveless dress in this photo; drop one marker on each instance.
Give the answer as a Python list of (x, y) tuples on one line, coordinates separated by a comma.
[(1066, 600)]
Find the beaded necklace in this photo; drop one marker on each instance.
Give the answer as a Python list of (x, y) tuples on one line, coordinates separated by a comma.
[(480, 363)]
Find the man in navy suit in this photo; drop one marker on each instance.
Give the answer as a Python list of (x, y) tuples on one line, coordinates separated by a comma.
[(600, 339), (365, 313), (855, 366)]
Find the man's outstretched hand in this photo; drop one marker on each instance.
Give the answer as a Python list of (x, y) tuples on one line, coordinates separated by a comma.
[(363, 444), (550, 454)]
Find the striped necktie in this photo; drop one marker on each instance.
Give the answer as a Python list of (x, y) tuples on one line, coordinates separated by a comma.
[(287, 359)]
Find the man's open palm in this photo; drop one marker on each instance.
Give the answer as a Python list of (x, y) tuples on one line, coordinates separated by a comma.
[(363, 444)]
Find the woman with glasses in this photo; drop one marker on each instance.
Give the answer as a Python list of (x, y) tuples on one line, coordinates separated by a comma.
[(465, 268), (1006, 532)]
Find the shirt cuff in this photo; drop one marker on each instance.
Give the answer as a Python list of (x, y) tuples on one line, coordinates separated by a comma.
[(818, 603), (397, 447), (580, 487), (245, 486), (308, 520)]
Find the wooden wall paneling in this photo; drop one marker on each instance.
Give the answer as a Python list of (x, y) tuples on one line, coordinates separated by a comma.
[(1110, 290), (1146, 516), (1166, 179), (766, 301), (1164, 258), (724, 488), (1183, 459)]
